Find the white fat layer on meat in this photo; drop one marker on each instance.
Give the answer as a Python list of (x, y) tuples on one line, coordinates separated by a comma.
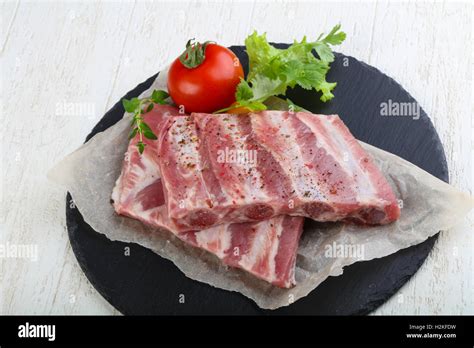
[(267, 238), (190, 165), (253, 181), (123, 188), (117, 191), (142, 177), (291, 158), (220, 235), (365, 187), (145, 176)]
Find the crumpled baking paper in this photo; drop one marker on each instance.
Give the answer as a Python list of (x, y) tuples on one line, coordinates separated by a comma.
[(429, 206)]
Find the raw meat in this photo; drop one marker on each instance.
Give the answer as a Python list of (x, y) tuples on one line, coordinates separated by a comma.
[(238, 168), (266, 249)]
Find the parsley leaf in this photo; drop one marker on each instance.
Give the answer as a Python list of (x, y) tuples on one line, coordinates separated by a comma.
[(273, 70), (264, 87), (244, 91)]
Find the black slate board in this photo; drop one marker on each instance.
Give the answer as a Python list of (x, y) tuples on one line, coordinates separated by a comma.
[(145, 283)]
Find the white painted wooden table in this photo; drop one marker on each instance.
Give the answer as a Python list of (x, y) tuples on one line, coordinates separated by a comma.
[(91, 53)]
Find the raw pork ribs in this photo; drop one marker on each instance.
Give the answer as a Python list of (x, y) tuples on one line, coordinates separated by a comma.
[(229, 168), (267, 249)]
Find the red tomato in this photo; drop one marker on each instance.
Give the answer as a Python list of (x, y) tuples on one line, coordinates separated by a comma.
[(210, 85)]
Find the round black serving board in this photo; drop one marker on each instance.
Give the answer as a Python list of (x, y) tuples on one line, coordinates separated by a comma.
[(145, 283)]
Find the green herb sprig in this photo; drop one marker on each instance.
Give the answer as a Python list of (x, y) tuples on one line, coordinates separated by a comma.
[(138, 107)]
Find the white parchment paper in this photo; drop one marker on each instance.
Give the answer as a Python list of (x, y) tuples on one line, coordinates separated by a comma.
[(429, 206)]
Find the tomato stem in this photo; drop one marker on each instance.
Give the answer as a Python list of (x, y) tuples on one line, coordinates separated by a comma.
[(194, 54)]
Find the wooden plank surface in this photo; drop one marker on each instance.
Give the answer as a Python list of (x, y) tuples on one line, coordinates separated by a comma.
[(83, 56)]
